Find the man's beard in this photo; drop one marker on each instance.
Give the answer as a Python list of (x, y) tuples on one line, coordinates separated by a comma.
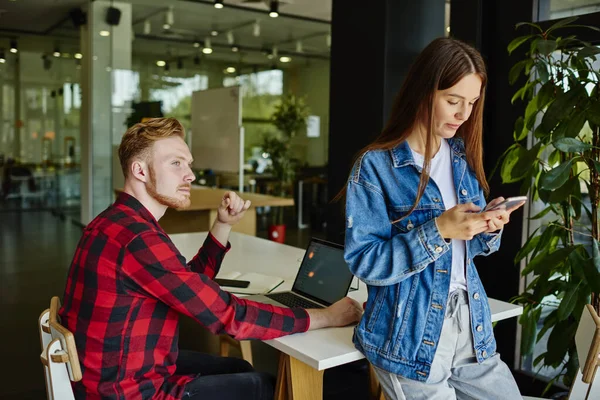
[(168, 201)]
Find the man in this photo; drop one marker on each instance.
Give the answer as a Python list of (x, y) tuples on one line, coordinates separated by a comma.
[(128, 283)]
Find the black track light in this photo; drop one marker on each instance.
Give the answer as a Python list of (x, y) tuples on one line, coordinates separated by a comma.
[(274, 9), (13, 46), (218, 3)]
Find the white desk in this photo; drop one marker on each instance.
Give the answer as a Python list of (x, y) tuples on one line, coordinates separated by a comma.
[(319, 349)]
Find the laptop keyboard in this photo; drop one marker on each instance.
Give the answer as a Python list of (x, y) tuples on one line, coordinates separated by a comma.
[(291, 300)]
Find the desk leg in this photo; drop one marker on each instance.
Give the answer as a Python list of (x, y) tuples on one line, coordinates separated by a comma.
[(281, 384), (302, 381)]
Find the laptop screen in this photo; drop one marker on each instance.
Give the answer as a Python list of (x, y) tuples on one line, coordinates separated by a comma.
[(324, 275)]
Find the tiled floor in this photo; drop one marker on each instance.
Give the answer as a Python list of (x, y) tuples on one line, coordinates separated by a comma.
[(35, 252)]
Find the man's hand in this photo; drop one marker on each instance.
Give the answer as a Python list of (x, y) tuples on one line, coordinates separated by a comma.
[(232, 209), (341, 313), (464, 221)]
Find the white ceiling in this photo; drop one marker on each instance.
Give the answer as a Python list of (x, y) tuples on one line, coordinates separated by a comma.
[(300, 19)]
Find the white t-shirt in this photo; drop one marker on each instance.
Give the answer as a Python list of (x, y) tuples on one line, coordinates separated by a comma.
[(441, 174)]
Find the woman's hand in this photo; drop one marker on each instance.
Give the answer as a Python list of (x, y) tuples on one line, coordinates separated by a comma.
[(498, 222), (464, 221)]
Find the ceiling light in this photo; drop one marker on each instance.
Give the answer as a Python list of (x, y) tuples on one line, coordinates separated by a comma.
[(104, 33), (56, 52), (285, 59), (207, 48), (169, 18), (196, 44), (214, 32), (78, 56), (274, 9), (256, 29), (2, 56), (235, 48), (219, 4), (161, 63), (147, 27), (13, 46), (230, 70)]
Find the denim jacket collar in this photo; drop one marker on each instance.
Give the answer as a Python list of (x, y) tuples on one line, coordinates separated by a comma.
[(402, 155)]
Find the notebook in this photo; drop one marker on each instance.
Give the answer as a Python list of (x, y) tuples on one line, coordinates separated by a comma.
[(323, 278), (259, 283)]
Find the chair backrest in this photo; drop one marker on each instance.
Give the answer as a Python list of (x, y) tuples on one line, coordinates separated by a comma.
[(587, 342), (59, 354)]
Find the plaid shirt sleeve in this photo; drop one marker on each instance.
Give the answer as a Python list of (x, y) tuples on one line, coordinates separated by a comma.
[(154, 267)]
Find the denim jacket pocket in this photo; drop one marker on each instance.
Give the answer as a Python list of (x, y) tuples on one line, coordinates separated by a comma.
[(373, 314)]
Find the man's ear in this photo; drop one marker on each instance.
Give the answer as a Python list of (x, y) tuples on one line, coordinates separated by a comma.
[(139, 170)]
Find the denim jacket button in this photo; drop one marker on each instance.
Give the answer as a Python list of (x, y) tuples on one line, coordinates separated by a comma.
[(409, 226), (476, 296), (479, 329), (435, 200), (484, 354), (438, 249), (464, 192)]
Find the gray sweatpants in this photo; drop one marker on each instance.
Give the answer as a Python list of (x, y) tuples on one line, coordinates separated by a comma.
[(455, 372)]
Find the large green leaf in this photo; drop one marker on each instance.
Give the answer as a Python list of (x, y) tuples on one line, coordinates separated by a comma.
[(531, 112), (553, 260), (557, 176), (546, 47), (549, 322), (593, 112), (560, 340), (547, 93), (527, 248), (561, 23), (561, 107), (571, 145), (542, 68), (520, 133), (571, 188), (571, 127), (526, 161), (536, 26), (516, 42), (588, 52), (542, 213), (528, 321), (517, 69), (509, 162), (567, 303)]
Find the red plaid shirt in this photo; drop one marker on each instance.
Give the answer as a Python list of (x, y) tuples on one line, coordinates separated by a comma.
[(126, 287)]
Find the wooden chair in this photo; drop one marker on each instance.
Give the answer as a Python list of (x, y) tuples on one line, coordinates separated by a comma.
[(59, 354), (225, 342), (586, 385)]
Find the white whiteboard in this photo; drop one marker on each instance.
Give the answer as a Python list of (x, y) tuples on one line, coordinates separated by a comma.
[(217, 138)]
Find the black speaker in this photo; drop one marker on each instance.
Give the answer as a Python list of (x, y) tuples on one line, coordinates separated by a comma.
[(78, 17), (113, 16)]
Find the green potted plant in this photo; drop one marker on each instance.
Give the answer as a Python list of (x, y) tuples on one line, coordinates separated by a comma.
[(559, 170), (289, 118)]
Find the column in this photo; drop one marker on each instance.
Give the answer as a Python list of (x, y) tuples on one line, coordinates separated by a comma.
[(373, 45), (102, 56)]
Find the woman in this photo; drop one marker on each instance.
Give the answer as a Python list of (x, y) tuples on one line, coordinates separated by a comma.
[(414, 204)]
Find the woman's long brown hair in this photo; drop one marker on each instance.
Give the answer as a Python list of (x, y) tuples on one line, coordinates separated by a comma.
[(441, 65)]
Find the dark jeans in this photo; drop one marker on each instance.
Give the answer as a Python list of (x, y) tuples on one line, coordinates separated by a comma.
[(223, 378)]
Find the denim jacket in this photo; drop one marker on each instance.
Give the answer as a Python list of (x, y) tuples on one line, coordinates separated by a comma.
[(407, 265)]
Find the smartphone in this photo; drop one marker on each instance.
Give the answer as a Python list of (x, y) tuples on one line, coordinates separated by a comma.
[(232, 282), (507, 203)]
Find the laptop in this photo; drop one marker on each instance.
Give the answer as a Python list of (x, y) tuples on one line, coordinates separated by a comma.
[(323, 279)]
